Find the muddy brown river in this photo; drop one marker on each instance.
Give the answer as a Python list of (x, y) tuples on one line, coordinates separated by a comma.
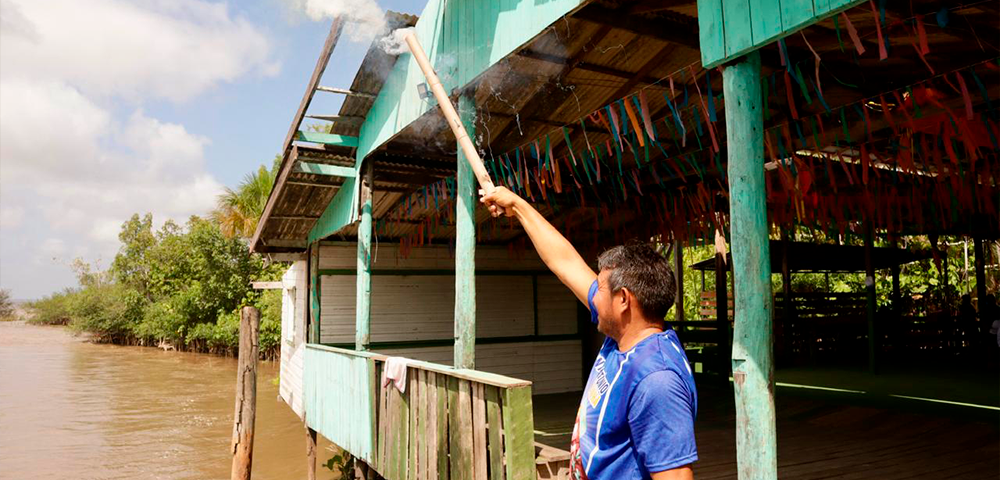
[(73, 409)]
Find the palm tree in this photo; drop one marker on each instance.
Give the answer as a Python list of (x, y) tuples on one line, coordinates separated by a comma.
[(238, 210)]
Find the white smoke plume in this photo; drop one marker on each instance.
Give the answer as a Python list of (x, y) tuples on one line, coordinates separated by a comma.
[(364, 19), (395, 42)]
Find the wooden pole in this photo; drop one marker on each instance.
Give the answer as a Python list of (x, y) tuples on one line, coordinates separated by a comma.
[(465, 249), (897, 309), (246, 394), (451, 116), (788, 310), (722, 314), (679, 271), (314, 294), (870, 290), (363, 312), (310, 454), (753, 355), (978, 251)]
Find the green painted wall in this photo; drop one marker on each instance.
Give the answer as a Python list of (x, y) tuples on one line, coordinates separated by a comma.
[(462, 39), (731, 28)]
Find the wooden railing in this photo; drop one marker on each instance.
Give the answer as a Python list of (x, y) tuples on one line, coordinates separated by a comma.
[(449, 423)]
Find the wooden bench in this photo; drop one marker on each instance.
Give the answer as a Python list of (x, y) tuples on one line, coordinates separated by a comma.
[(819, 323)]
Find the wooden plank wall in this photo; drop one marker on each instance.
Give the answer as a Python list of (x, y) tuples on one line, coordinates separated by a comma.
[(343, 255), (339, 399), (421, 308), (448, 427), (731, 28), (293, 336)]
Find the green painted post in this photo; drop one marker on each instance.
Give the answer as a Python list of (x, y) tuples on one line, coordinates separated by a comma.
[(753, 366), (870, 290), (363, 311), (314, 294), (465, 247)]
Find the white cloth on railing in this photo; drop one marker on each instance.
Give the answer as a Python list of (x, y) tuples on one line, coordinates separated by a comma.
[(395, 371)]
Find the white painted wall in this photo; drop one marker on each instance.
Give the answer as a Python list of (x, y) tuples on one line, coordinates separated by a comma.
[(293, 335), (421, 308)]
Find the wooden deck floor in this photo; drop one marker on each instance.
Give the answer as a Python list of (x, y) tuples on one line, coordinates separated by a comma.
[(829, 436)]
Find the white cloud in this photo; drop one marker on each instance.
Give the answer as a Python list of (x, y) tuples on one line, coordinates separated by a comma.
[(78, 152), (10, 217), (171, 49)]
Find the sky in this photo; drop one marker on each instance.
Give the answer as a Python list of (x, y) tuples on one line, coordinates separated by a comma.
[(115, 107)]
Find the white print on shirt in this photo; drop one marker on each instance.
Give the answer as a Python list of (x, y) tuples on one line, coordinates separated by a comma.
[(604, 406), (600, 384)]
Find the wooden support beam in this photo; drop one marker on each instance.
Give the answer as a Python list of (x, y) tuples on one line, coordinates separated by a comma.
[(658, 59), (343, 91), (465, 248), (267, 285), (246, 394), (323, 169), (348, 119), (327, 139), (286, 163), (980, 265), (753, 339), (285, 243), (307, 183), (363, 311), (897, 311), (870, 297), (549, 97), (679, 273), (294, 217), (653, 6), (788, 311), (590, 67), (673, 28)]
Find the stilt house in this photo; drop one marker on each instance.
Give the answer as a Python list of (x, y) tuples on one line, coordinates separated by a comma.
[(673, 121)]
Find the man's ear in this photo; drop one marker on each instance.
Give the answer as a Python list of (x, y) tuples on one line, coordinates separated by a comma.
[(626, 300)]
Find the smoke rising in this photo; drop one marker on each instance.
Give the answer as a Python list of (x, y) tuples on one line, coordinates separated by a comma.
[(394, 43), (363, 19)]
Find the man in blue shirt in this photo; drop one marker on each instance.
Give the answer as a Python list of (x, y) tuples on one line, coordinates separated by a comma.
[(636, 417)]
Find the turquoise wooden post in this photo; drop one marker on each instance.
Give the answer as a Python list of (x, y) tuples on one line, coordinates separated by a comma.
[(753, 368), (363, 310), (314, 294), (870, 300), (465, 247)]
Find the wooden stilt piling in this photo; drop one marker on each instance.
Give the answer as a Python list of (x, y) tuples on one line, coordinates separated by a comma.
[(310, 454), (246, 394)]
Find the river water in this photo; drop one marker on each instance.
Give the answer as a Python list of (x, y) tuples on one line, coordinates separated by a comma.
[(73, 409)]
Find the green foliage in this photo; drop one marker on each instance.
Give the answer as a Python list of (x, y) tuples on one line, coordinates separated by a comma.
[(239, 209), (924, 289), (6, 306), (342, 464), (180, 285)]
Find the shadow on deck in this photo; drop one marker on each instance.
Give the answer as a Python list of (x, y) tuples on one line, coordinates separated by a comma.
[(837, 434)]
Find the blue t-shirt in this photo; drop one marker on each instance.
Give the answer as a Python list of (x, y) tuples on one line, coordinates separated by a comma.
[(638, 409)]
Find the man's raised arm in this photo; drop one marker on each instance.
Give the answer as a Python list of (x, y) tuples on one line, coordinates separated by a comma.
[(557, 253)]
